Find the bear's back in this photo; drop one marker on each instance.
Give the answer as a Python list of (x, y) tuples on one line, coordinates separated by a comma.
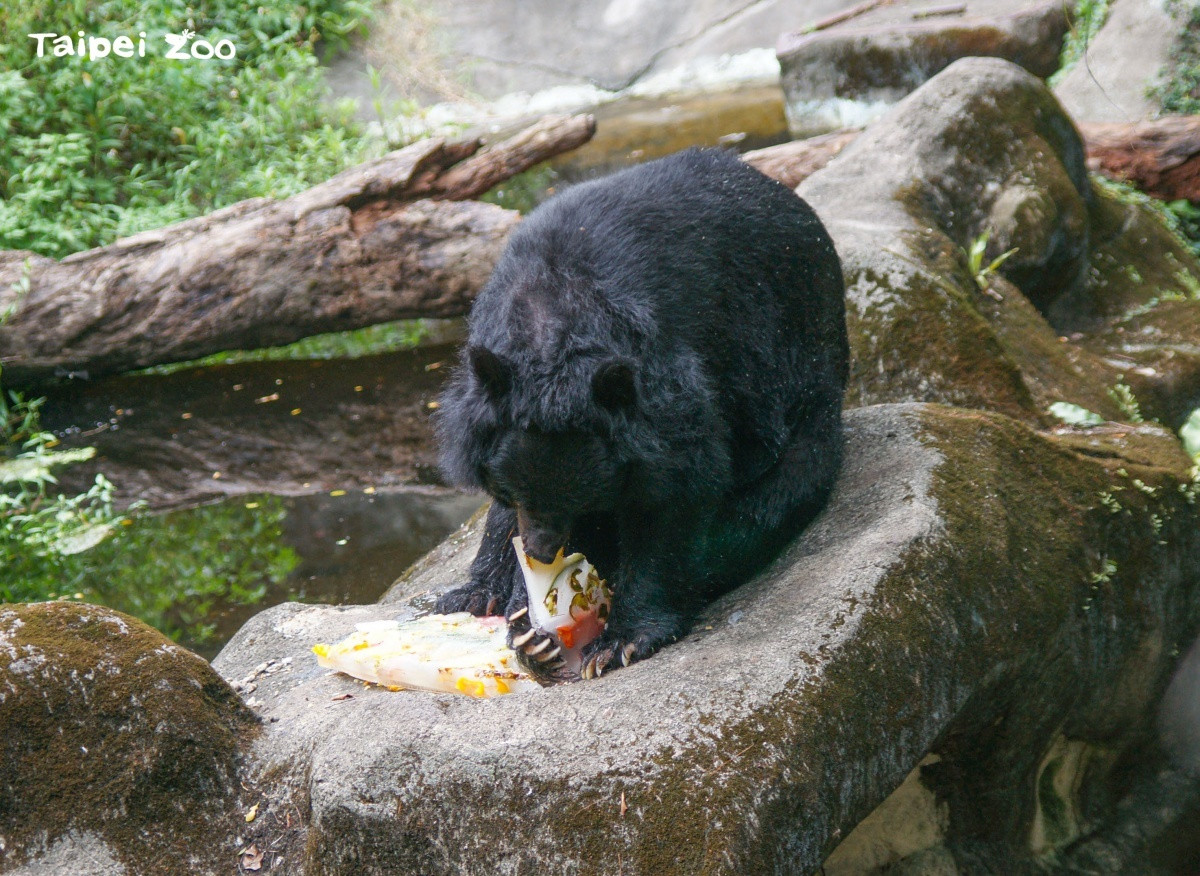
[(696, 258)]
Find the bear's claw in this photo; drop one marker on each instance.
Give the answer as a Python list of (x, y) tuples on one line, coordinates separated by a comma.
[(538, 652), (605, 652), (470, 598)]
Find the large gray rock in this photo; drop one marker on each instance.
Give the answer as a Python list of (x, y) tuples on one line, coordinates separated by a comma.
[(851, 73), (504, 46), (1124, 62), (951, 585), (1096, 290)]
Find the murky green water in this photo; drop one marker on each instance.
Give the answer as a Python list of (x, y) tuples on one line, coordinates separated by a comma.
[(253, 483), (200, 573)]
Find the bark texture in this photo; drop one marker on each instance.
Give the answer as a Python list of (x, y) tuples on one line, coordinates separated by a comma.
[(394, 238), (792, 163), (1161, 157)]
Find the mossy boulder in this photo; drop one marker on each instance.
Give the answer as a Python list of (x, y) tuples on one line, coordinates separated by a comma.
[(1138, 309), (970, 591), (849, 73), (115, 745), (983, 156)]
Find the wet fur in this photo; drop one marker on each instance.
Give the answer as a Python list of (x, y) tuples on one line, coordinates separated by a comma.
[(657, 366)]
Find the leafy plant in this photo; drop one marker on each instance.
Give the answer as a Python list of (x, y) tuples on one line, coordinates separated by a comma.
[(92, 149), (1186, 216), (979, 271), (1190, 435), (41, 530), (1178, 87), (1122, 394), (1074, 415)]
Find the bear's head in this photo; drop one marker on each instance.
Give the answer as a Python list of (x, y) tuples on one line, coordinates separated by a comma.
[(546, 445)]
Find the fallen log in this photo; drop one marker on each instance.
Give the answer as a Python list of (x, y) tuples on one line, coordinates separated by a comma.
[(792, 163), (394, 238), (1160, 157)]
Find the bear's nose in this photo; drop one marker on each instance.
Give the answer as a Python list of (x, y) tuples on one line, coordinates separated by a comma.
[(541, 541)]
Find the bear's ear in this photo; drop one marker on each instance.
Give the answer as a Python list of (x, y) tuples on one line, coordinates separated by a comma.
[(492, 371), (613, 386)]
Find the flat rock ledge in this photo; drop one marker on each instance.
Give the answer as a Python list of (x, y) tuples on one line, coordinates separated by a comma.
[(967, 576)]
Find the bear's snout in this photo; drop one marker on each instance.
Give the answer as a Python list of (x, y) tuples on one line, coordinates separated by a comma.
[(541, 541)]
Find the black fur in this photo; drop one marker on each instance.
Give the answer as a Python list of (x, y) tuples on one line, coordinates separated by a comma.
[(654, 373)]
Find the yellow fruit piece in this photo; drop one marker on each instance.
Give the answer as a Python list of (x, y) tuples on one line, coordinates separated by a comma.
[(454, 653), (470, 687)]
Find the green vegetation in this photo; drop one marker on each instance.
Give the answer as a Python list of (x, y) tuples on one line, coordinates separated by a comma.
[(1126, 401), (1181, 217), (1086, 21), (1179, 88), (1185, 217), (41, 532), (93, 149), (981, 272), (1074, 415), (1189, 433), (383, 338)]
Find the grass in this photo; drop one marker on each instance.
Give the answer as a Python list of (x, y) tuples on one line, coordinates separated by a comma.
[(1179, 88), (383, 338)]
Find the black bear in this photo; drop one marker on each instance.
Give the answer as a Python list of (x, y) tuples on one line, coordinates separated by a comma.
[(654, 377)]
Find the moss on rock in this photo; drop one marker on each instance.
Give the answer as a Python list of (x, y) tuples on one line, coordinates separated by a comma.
[(107, 726), (1095, 290), (970, 590)]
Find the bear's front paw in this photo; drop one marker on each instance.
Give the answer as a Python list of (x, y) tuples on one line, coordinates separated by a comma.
[(610, 649), (539, 653), (478, 600)]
